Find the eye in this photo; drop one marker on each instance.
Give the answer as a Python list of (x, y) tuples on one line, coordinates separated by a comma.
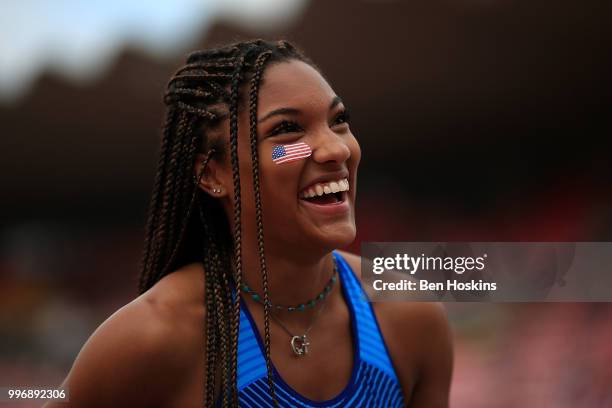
[(286, 126), (342, 117)]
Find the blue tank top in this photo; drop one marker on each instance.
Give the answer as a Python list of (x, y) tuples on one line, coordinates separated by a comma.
[(373, 381)]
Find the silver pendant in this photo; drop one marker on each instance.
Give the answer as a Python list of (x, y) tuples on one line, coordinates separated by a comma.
[(300, 344)]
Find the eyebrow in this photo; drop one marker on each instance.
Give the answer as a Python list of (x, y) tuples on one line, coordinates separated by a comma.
[(293, 111)]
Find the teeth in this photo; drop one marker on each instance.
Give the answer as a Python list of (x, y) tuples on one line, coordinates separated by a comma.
[(326, 188)]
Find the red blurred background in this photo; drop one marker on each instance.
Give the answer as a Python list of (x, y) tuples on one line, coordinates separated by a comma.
[(478, 121)]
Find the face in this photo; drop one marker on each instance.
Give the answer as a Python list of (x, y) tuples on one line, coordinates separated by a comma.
[(296, 105)]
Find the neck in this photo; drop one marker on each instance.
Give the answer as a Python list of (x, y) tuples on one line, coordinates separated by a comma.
[(291, 279)]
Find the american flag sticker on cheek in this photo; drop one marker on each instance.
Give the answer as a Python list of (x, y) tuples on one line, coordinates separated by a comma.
[(290, 152)]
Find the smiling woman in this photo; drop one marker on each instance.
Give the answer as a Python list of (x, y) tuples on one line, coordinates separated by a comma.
[(229, 315)]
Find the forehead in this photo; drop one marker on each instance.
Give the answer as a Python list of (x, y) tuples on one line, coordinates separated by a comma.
[(293, 84)]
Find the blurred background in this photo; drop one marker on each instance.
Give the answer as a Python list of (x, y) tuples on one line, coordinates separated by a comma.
[(479, 120)]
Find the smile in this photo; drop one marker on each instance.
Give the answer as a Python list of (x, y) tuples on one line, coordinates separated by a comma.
[(329, 197), (326, 188)]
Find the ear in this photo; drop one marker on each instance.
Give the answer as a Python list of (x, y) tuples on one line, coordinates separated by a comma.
[(214, 180)]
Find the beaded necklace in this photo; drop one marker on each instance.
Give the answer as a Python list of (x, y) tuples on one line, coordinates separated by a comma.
[(302, 306)]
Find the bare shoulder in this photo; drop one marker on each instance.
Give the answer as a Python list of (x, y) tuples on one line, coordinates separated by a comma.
[(419, 340), (353, 260), (136, 357), (404, 314)]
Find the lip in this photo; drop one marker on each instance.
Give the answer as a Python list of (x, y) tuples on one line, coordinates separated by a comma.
[(340, 207), (338, 175)]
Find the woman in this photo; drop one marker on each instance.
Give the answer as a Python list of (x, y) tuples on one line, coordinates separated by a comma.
[(234, 314)]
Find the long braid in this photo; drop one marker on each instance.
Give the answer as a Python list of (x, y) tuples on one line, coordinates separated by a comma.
[(217, 318), (169, 205), (253, 94), (194, 188), (237, 219), (208, 78), (154, 205), (166, 229), (212, 304)]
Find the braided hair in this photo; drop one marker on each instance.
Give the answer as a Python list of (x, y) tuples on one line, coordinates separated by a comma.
[(185, 224)]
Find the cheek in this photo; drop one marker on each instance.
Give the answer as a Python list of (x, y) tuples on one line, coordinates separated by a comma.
[(355, 152), (280, 181)]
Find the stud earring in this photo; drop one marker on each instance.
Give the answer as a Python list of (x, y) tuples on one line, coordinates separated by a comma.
[(216, 190)]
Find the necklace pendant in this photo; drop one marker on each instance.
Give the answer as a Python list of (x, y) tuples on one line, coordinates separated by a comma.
[(299, 345)]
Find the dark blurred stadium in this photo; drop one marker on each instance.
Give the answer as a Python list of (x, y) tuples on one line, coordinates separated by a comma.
[(478, 121)]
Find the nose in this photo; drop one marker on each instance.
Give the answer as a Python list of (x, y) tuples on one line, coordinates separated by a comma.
[(330, 147)]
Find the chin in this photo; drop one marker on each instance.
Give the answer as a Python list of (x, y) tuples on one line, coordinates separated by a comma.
[(339, 237), (319, 238)]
